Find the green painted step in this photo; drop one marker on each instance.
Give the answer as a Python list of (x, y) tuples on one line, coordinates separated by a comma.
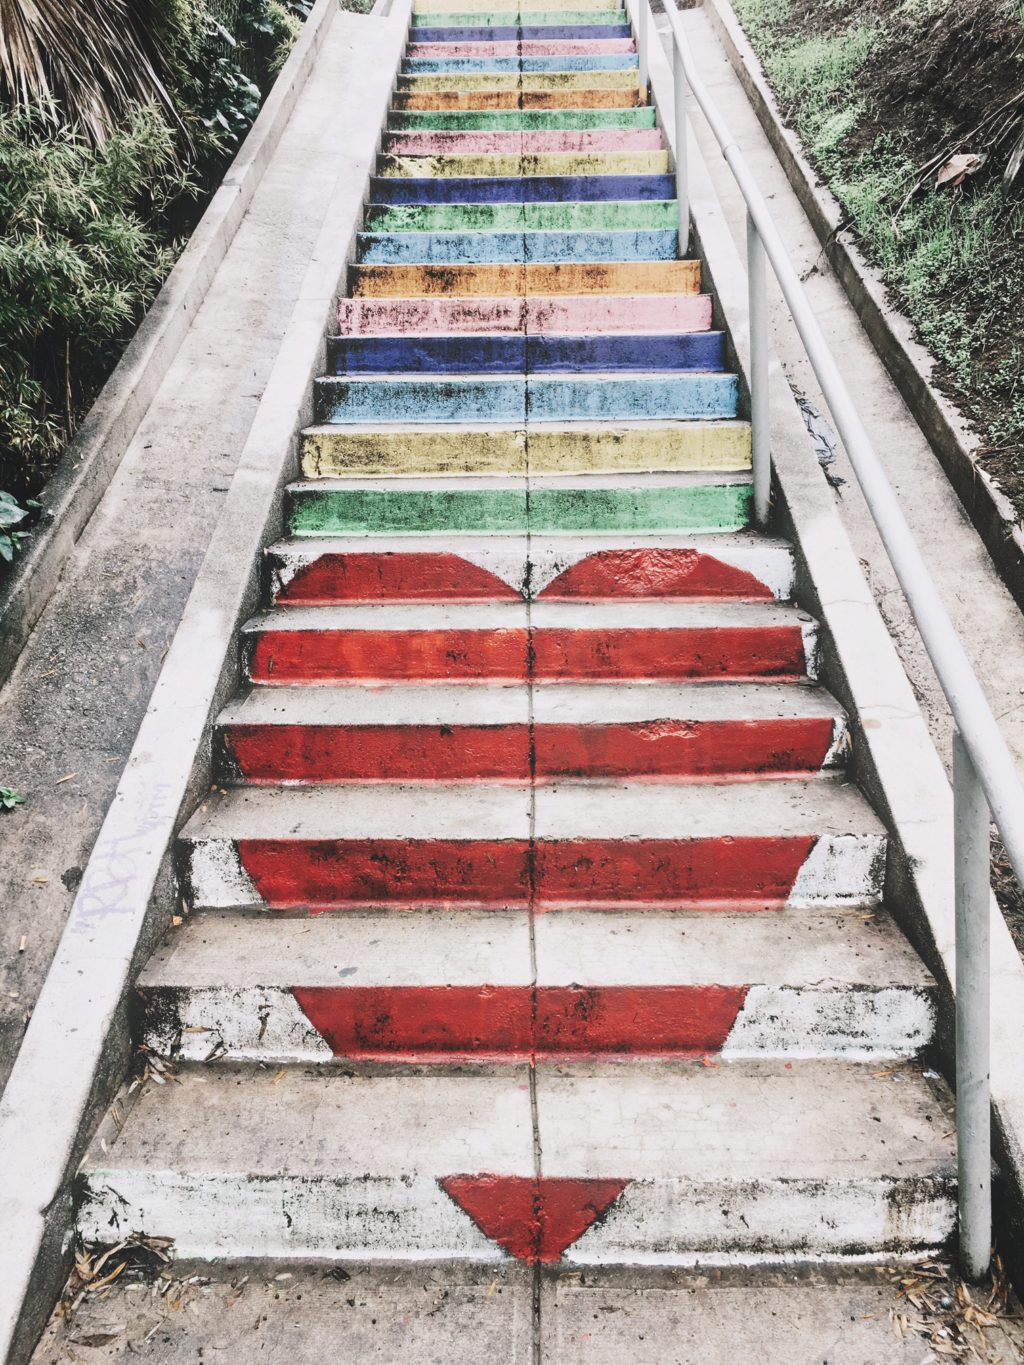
[(601, 216), (678, 507), (517, 120)]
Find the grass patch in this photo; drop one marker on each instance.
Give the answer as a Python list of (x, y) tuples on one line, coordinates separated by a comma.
[(875, 90)]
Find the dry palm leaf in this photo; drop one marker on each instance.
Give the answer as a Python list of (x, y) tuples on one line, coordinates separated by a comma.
[(87, 59)]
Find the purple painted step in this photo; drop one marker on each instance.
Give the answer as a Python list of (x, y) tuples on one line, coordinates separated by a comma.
[(514, 189), (514, 353)]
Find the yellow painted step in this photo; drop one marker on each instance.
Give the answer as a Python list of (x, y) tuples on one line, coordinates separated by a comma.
[(643, 447), (521, 80), (504, 281), (540, 163)]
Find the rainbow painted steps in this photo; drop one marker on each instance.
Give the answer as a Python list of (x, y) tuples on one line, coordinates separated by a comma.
[(532, 829)]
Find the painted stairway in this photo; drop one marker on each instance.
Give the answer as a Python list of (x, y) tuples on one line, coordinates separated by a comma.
[(534, 914)]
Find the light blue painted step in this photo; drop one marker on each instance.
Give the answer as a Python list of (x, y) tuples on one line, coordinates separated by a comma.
[(479, 248), (514, 398)]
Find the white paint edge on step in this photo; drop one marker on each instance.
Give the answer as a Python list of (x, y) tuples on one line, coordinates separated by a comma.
[(60, 1077)]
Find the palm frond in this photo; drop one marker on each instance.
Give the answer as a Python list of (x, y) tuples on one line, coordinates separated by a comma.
[(87, 60)]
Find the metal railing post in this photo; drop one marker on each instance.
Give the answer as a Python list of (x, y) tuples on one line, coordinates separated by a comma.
[(757, 284), (642, 35), (682, 168), (971, 821)]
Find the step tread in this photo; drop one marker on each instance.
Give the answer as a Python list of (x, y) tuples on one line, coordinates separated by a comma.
[(496, 704), (547, 615), (430, 947), (740, 1121), (622, 811)]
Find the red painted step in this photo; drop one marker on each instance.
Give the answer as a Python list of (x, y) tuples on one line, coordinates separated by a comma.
[(534, 1219)]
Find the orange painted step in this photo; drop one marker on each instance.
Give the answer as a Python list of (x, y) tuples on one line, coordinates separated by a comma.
[(502, 281)]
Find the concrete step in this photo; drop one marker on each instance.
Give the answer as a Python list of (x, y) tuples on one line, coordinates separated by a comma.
[(597, 397), (553, 189), (524, 281), (567, 83), (528, 64), (515, 734), (547, 641), (585, 314), (561, 164), (520, 36), (668, 1163), (689, 503), (505, 567), (489, 44), (515, 247), (460, 986), (749, 847), (515, 353), (506, 143), (455, 248), (548, 19), (424, 13), (501, 120), (518, 99), (601, 215)]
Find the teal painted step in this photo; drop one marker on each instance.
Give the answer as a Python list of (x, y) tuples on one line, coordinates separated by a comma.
[(606, 215), (517, 120), (510, 248), (319, 510), (514, 399)]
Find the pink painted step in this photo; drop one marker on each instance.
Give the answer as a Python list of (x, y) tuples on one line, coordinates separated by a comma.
[(582, 314), (590, 140), (592, 47)]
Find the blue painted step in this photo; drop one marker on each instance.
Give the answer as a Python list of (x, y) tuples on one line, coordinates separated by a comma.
[(511, 33), (479, 248), (541, 398), (515, 353), (611, 61), (518, 189)]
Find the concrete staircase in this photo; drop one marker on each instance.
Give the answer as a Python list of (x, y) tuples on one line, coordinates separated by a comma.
[(533, 914)]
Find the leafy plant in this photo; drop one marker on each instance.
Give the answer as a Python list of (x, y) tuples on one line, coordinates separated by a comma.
[(9, 798), (11, 515)]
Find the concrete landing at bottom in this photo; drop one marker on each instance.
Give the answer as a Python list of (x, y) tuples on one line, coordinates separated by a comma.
[(463, 1316)]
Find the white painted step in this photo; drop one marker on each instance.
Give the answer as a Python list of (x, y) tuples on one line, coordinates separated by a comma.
[(840, 985), (508, 556), (843, 862), (734, 1164)]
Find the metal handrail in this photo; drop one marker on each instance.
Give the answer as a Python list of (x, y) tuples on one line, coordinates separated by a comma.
[(985, 780)]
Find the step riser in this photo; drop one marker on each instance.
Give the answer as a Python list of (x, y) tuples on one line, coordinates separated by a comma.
[(587, 316), (511, 45), (497, 574), (553, 37), (682, 397), (514, 248), (562, 165), (654, 1222), (515, 143), (680, 508), (538, 189), (663, 749), (279, 657), (494, 281), (523, 217), (517, 99), (457, 1025), (549, 21), (566, 83), (519, 120), (516, 353), (565, 62), (715, 875)]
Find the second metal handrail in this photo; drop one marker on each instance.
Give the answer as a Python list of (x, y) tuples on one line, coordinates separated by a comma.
[(985, 781)]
